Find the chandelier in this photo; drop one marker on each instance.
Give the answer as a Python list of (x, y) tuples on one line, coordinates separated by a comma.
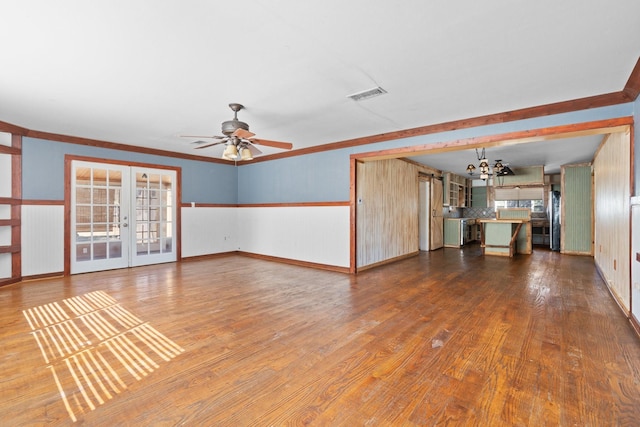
[(498, 169)]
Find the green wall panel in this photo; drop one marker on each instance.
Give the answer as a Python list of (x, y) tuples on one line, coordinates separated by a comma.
[(577, 202), (479, 197)]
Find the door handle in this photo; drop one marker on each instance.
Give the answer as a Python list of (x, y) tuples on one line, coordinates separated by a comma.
[(125, 225)]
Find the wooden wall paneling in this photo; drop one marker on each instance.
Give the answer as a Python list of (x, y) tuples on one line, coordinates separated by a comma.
[(387, 211), (612, 168)]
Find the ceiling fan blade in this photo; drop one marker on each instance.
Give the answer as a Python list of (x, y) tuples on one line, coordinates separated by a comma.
[(276, 144), (241, 133), (200, 136), (210, 145), (254, 150)]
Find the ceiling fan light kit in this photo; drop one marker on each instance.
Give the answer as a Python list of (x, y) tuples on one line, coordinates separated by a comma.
[(239, 141), (245, 154), (230, 152)]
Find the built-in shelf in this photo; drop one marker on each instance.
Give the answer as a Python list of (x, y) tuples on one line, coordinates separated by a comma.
[(10, 249), (4, 149), (9, 201), (11, 147)]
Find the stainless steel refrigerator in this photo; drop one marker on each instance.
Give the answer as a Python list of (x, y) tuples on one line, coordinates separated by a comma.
[(553, 212)]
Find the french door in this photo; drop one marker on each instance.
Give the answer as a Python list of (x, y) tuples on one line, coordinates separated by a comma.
[(121, 216)]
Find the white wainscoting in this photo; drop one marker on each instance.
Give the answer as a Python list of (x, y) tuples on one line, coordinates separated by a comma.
[(317, 234), (42, 239), (5, 266), (208, 231), (5, 259), (5, 176)]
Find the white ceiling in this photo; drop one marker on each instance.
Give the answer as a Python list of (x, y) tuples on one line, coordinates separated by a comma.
[(143, 72), (551, 154)]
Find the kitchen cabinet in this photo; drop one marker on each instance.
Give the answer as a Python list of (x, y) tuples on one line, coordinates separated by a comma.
[(459, 231), (452, 236), (456, 190), (479, 197)]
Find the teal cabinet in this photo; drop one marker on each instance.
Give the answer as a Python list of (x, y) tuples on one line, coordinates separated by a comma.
[(479, 197), (452, 236)]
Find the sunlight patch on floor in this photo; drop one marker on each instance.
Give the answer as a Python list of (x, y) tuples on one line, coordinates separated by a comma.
[(94, 348)]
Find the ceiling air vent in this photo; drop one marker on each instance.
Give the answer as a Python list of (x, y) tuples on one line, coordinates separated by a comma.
[(365, 94)]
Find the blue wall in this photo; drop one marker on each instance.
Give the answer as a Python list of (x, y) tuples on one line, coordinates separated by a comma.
[(43, 171), (325, 176), (318, 177)]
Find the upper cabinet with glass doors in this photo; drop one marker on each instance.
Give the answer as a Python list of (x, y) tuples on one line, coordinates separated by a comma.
[(456, 191)]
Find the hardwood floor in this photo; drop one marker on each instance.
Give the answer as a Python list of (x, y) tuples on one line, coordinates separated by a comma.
[(444, 338)]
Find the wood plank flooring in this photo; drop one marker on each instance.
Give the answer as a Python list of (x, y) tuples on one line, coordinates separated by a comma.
[(444, 338)]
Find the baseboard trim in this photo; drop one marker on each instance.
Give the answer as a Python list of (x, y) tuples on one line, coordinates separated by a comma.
[(269, 258), (635, 324), (9, 281), (296, 262), (387, 261), (613, 294), (43, 276), (208, 256)]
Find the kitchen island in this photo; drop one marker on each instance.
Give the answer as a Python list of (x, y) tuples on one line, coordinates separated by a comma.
[(505, 236)]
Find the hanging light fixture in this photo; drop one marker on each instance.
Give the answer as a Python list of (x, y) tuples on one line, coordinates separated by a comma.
[(498, 169), (483, 166)]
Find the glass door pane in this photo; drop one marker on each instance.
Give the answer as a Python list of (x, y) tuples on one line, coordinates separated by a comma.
[(154, 216)]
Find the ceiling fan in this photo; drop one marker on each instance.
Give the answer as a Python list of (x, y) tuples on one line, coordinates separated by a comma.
[(240, 143)]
